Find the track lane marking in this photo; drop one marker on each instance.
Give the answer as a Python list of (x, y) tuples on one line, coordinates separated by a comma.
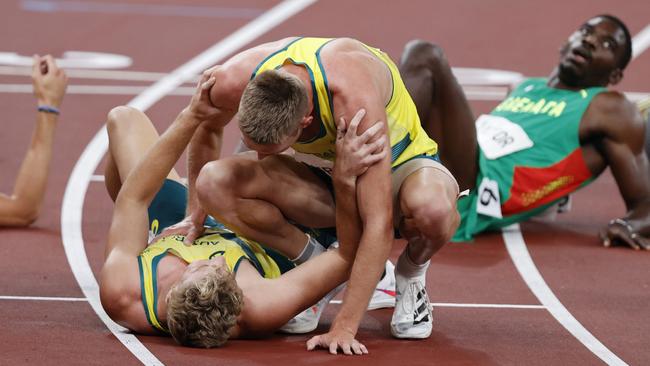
[(530, 274), (50, 6), (641, 42), (471, 305), (75, 192), (43, 298)]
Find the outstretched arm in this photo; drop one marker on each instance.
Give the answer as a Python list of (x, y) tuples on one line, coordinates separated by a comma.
[(205, 146), (120, 287), (362, 87), (23, 206), (622, 146)]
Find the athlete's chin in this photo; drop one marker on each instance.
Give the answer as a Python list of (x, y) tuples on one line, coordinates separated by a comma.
[(569, 74)]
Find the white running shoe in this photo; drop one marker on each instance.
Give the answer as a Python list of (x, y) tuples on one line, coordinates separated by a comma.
[(307, 320), (412, 317), (384, 295)]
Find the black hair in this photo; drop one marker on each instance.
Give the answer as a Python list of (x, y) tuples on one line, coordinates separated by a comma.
[(627, 55)]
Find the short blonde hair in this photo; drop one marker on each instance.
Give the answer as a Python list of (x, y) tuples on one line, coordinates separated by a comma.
[(272, 106), (201, 314)]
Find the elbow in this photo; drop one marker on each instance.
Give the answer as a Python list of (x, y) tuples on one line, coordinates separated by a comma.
[(24, 215), (113, 302)]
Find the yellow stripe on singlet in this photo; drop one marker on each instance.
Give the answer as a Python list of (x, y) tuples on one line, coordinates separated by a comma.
[(214, 242)]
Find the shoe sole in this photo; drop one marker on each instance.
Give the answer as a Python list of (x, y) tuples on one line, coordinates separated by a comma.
[(424, 335)]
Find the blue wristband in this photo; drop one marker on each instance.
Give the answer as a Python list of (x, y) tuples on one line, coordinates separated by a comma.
[(48, 109)]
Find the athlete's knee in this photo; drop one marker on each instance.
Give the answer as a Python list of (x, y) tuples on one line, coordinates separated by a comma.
[(215, 179), (119, 119), (218, 182), (419, 53), (436, 218)]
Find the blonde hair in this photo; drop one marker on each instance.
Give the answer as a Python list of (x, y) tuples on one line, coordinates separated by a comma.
[(272, 106), (201, 314)]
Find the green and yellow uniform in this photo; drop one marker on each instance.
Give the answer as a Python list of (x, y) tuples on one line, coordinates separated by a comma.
[(215, 241), (407, 138), (526, 182)]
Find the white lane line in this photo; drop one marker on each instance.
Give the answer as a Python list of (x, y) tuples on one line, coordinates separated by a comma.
[(521, 258), (485, 93), (43, 298), (92, 74), (49, 6), (97, 89), (472, 305), (75, 192), (641, 42), (488, 306)]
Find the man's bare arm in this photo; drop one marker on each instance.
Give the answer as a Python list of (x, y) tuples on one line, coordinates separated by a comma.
[(205, 145), (622, 146), (304, 285), (23, 206), (128, 233), (359, 85)]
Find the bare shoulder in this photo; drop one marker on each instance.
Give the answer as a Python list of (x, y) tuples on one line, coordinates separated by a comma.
[(233, 75), (611, 114), (614, 104), (349, 64), (120, 293)]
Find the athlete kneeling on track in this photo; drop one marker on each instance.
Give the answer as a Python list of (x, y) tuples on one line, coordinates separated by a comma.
[(222, 285)]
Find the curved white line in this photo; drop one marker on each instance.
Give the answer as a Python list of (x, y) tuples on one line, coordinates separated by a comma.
[(75, 192), (641, 42), (528, 271)]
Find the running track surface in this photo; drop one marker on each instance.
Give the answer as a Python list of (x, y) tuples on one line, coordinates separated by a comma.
[(606, 290)]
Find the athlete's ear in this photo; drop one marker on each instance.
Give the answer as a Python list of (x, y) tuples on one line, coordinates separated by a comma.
[(615, 76), (306, 121)]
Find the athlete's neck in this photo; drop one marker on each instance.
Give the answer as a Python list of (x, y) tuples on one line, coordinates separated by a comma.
[(169, 271), (554, 81)]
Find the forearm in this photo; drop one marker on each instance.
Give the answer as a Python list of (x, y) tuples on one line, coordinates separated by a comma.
[(31, 181), (368, 265), (348, 222), (297, 289), (375, 214), (204, 147), (632, 173), (147, 177)]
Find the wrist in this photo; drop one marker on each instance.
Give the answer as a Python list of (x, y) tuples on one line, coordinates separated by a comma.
[(46, 108), (188, 115), (347, 183), (342, 326)]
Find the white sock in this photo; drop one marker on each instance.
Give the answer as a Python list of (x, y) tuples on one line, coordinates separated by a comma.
[(406, 270), (311, 249)]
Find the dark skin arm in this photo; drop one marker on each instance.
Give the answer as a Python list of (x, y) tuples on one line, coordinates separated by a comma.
[(617, 132)]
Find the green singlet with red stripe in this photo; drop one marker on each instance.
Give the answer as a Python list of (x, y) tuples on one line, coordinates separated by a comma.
[(534, 178)]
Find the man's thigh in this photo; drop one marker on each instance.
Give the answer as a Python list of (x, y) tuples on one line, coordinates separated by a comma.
[(302, 196)]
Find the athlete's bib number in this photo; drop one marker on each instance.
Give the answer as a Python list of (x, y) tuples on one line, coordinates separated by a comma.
[(499, 137), (489, 202)]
